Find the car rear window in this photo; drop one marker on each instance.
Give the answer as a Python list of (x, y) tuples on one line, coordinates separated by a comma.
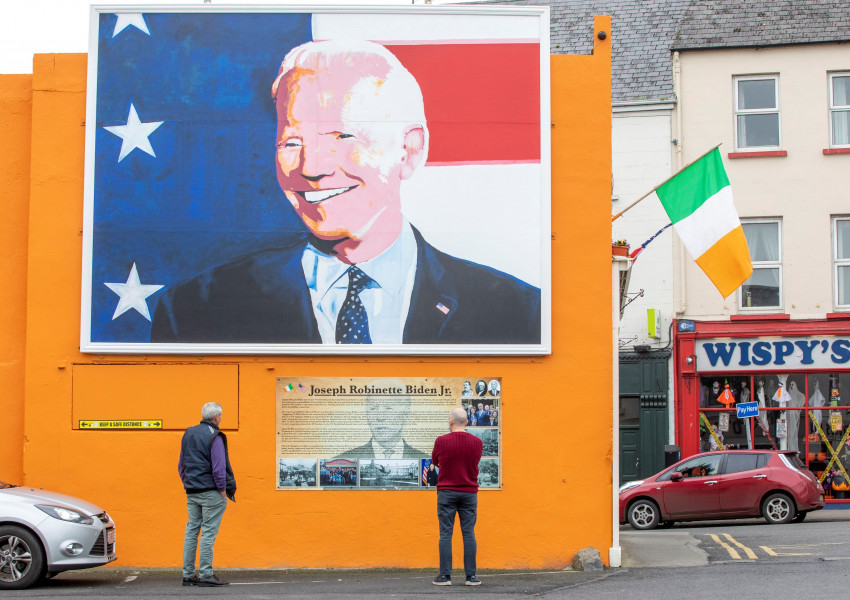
[(735, 463), (794, 459)]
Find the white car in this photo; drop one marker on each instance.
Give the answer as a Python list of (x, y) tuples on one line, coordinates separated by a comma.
[(44, 533)]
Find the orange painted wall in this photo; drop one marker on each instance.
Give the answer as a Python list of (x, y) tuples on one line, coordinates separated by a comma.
[(556, 495), (15, 125)]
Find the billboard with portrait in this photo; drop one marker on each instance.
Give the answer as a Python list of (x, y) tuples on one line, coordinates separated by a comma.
[(317, 181), (378, 433)]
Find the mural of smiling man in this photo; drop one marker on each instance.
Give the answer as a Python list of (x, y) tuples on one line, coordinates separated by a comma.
[(351, 129)]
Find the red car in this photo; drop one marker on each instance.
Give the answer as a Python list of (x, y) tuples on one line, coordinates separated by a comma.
[(723, 485)]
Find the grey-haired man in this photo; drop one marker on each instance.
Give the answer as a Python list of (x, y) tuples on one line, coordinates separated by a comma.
[(204, 468)]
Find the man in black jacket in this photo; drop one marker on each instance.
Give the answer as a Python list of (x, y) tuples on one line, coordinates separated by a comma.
[(207, 476)]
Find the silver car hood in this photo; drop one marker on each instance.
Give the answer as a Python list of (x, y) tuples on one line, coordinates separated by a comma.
[(33, 496)]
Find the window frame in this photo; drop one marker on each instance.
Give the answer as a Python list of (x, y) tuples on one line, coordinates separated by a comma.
[(837, 263), (730, 458), (843, 108), (777, 264), (755, 111)]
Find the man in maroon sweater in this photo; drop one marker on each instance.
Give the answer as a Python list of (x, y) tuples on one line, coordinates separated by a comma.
[(456, 455)]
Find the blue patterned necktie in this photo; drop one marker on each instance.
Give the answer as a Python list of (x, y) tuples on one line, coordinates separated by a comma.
[(352, 323)]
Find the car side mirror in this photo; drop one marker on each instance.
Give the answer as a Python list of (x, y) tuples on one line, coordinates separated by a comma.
[(676, 476)]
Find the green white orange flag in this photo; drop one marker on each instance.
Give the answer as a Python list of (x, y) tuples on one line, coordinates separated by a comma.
[(698, 200)]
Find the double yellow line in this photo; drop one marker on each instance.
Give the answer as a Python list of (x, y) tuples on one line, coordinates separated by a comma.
[(770, 551), (732, 552)]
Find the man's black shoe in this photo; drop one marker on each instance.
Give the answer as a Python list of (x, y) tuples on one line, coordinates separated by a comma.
[(472, 581), (211, 581), (193, 580), (442, 580)]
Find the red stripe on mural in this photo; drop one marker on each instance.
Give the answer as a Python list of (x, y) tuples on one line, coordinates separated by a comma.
[(482, 101)]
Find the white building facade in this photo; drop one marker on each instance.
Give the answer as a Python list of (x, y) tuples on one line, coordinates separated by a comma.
[(776, 96)]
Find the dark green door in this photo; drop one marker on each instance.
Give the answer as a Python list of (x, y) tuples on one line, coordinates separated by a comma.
[(643, 413), (653, 433), (629, 453)]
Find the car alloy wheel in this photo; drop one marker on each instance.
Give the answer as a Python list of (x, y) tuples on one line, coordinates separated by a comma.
[(778, 508), (643, 514), (21, 558)]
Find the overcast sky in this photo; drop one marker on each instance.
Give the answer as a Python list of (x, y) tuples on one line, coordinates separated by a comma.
[(46, 26)]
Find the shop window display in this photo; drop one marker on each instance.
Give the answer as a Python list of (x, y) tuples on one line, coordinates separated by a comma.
[(781, 411), (807, 412), (719, 426), (828, 448)]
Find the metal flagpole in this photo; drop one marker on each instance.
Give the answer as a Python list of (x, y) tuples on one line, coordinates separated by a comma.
[(630, 206)]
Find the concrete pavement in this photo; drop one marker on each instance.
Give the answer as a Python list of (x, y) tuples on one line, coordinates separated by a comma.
[(352, 584), (661, 548), (651, 560)]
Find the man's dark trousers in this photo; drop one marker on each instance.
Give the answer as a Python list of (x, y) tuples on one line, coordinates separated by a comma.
[(465, 505)]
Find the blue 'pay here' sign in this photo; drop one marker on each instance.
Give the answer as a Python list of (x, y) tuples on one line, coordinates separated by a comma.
[(748, 409)]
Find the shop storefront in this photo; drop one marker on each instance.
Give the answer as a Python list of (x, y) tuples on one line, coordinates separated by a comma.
[(793, 374)]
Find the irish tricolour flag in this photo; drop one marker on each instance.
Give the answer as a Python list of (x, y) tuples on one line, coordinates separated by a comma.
[(698, 200)]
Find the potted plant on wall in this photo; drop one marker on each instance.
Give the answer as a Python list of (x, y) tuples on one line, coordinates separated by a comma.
[(620, 248)]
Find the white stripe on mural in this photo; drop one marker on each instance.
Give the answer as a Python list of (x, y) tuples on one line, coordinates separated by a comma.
[(489, 214), (709, 223), (446, 27)]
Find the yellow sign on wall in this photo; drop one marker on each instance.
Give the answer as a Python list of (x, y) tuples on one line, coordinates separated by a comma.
[(153, 424)]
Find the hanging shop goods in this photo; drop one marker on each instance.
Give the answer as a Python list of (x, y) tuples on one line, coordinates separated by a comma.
[(794, 372), (726, 398), (781, 429)]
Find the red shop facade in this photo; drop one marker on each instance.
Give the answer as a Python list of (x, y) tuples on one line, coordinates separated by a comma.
[(794, 373)]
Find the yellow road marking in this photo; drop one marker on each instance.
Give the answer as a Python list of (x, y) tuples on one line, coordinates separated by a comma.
[(749, 552), (772, 553), (732, 552), (813, 545)]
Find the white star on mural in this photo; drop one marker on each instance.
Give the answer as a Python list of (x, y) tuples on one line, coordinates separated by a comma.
[(125, 20), (133, 295), (134, 133)]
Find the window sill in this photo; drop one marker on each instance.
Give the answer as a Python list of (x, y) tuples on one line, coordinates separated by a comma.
[(760, 317), (838, 315), (836, 150), (757, 154)]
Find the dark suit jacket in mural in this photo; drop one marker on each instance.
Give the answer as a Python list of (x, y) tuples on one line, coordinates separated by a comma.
[(263, 298), (368, 451)]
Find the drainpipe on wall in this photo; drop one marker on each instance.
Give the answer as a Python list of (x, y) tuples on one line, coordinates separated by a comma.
[(615, 553), (677, 164)]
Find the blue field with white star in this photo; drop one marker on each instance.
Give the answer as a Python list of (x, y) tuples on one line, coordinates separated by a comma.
[(184, 154)]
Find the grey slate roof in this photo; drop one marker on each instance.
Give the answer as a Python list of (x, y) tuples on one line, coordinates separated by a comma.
[(641, 33), (645, 32), (760, 23)]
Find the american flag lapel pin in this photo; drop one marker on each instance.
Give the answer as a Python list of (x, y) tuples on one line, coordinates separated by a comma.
[(443, 308)]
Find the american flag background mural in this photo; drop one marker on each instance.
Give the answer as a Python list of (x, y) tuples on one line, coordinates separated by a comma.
[(181, 134)]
